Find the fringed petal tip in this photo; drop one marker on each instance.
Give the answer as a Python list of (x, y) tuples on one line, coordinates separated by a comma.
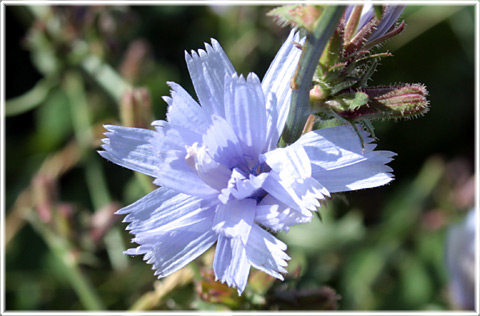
[(102, 152), (109, 127), (212, 47)]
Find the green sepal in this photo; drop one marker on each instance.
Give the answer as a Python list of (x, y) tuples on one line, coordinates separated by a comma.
[(332, 53), (348, 101), (348, 82), (368, 58), (367, 74), (397, 30), (368, 125), (341, 103)]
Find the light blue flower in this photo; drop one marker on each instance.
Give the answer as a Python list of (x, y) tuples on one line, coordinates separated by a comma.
[(222, 178)]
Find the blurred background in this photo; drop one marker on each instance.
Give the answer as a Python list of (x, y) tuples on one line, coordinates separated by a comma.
[(71, 69)]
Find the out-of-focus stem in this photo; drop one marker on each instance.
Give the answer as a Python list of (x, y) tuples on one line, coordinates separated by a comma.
[(105, 77), (302, 81), (64, 253), (31, 98), (83, 133), (52, 167), (152, 299), (91, 66), (96, 183)]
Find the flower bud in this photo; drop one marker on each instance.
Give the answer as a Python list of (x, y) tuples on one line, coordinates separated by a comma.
[(405, 101)]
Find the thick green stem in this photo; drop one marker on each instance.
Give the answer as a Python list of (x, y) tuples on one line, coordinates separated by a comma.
[(302, 81)]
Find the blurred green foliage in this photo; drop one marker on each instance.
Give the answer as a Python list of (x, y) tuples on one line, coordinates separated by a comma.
[(68, 70)]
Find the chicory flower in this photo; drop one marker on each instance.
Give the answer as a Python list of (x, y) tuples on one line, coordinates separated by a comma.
[(222, 178)]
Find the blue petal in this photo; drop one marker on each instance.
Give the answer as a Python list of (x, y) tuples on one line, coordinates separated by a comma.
[(160, 208), (242, 187), (365, 16), (223, 144), (222, 259), (132, 148), (175, 137), (277, 81), (246, 113), (158, 154), (390, 17), (301, 195), (210, 171), (235, 218), (208, 70), (340, 163), (272, 134), (371, 173), (333, 147), (185, 112), (230, 263), (175, 249), (171, 229), (174, 173), (266, 253), (277, 216), (289, 162), (172, 170), (290, 180)]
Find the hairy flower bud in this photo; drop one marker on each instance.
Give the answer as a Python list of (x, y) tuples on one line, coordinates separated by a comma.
[(401, 101)]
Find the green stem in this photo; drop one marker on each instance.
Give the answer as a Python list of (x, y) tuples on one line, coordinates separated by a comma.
[(312, 51)]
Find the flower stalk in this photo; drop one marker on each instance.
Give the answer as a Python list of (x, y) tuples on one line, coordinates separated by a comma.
[(302, 81)]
